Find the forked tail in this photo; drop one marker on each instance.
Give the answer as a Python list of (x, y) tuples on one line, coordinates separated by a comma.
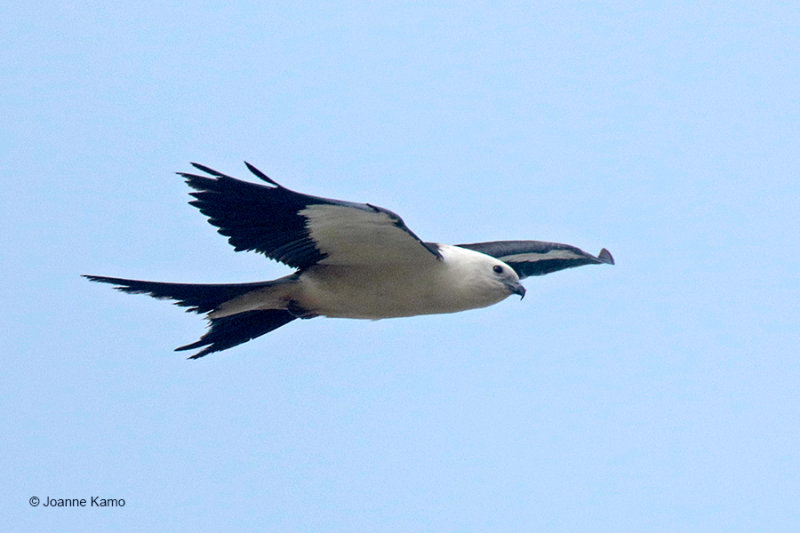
[(224, 332)]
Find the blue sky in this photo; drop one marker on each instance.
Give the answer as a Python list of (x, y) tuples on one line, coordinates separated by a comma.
[(660, 394)]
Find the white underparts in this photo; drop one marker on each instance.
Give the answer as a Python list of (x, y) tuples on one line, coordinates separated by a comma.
[(462, 280)]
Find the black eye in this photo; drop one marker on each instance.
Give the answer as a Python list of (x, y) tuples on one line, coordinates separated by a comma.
[(497, 269)]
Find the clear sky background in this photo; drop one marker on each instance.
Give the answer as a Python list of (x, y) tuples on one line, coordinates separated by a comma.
[(661, 394)]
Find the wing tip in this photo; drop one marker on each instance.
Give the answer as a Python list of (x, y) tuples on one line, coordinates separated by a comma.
[(605, 257), (106, 279), (195, 181), (208, 170), (261, 175)]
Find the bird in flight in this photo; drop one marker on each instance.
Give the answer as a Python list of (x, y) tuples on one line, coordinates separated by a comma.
[(352, 260)]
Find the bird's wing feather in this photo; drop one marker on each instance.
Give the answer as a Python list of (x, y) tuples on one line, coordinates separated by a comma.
[(536, 258), (301, 230)]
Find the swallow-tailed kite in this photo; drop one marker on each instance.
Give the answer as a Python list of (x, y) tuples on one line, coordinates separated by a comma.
[(352, 260)]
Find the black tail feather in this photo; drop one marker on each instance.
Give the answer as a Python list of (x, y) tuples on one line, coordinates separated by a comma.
[(198, 297), (224, 332), (229, 331)]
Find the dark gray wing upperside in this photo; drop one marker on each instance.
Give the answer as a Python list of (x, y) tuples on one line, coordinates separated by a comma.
[(536, 258)]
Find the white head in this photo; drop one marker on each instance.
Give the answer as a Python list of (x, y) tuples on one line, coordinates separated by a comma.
[(480, 277)]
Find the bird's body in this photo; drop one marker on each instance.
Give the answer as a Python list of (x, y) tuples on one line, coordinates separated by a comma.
[(353, 261), (449, 285)]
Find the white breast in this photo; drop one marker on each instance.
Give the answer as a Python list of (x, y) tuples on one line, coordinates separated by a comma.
[(400, 289)]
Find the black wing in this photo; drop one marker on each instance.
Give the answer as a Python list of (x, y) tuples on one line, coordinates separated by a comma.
[(301, 230), (536, 258)]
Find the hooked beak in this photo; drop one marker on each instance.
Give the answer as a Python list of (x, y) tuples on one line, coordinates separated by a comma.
[(516, 288)]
